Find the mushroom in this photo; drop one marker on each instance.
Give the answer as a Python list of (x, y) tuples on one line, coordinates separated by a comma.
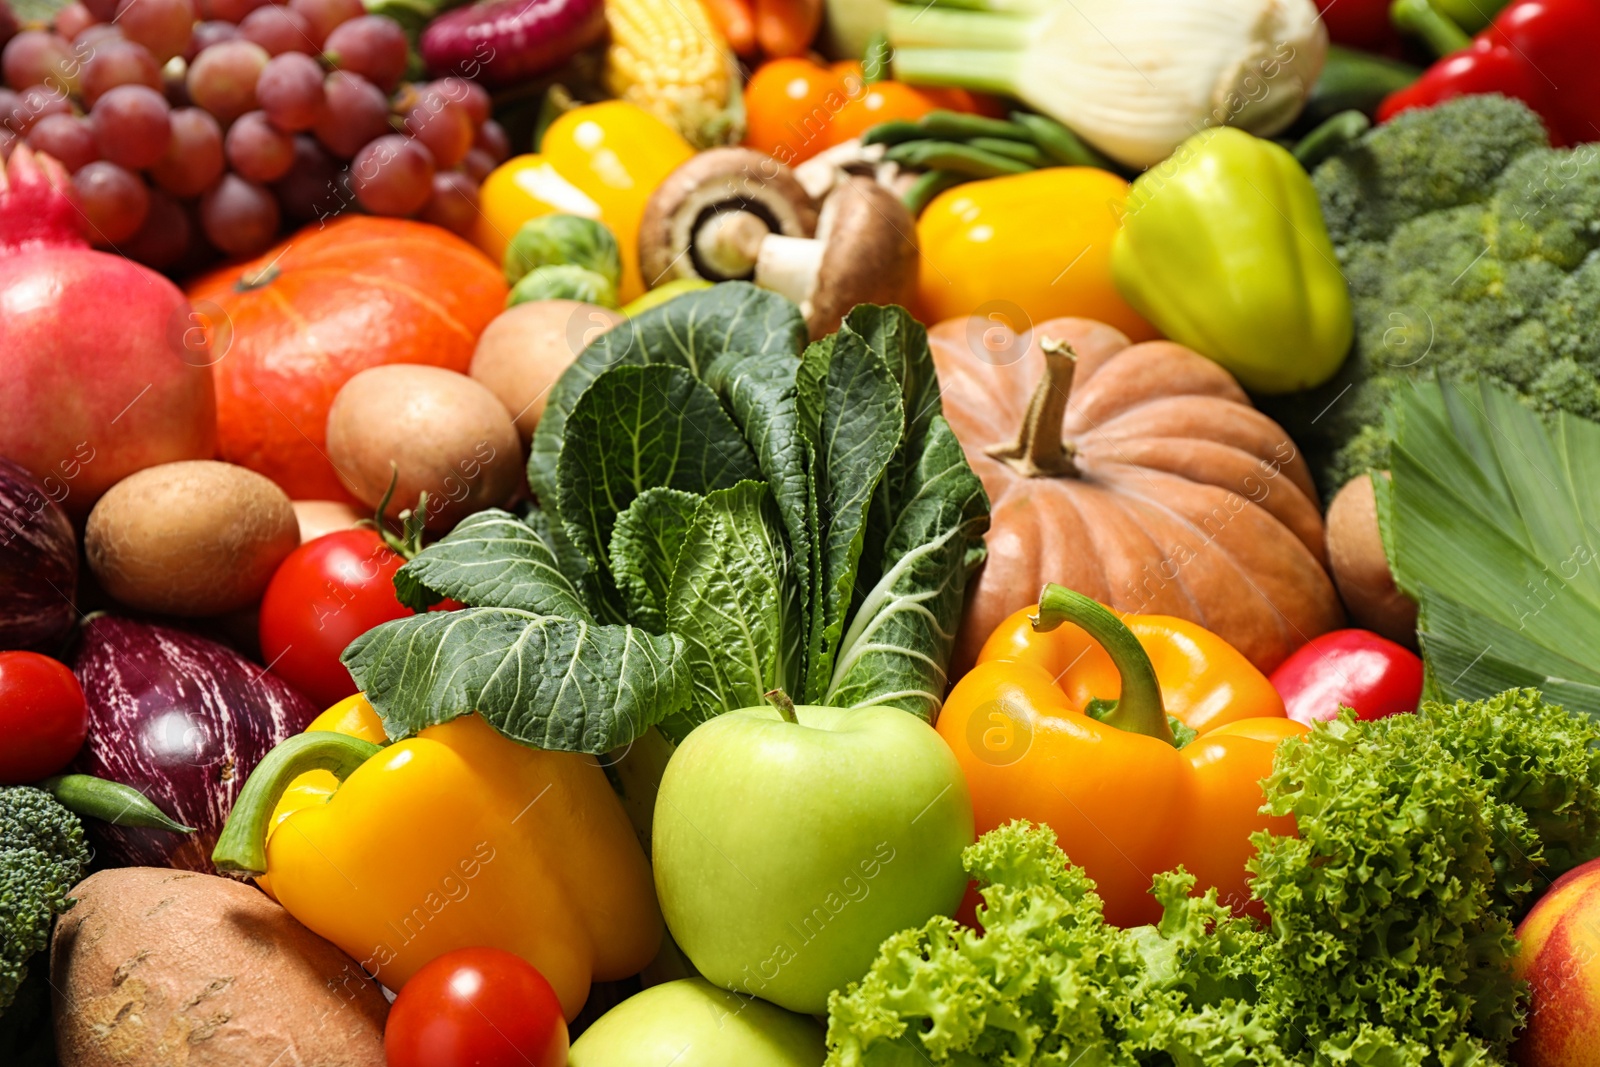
[(734, 214), (722, 189)]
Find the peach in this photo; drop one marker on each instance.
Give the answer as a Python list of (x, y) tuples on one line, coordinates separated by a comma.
[(1560, 960)]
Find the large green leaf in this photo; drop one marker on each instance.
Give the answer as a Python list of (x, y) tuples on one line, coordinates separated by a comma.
[(727, 323), (490, 560), (902, 343), (526, 653), (644, 550), (899, 641), (744, 343), (555, 683), (1490, 524), (851, 407), (736, 606), (634, 429)]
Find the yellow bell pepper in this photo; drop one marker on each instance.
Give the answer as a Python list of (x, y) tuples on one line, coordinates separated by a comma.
[(453, 838), (601, 161), (1038, 243)]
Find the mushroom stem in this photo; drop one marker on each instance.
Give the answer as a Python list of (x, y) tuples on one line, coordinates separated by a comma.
[(729, 243), (790, 266), (1039, 451)]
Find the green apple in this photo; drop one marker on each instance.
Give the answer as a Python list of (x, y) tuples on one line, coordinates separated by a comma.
[(786, 851), (692, 1023)]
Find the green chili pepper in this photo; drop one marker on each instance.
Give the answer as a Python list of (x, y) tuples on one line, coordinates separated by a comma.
[(112, 802)]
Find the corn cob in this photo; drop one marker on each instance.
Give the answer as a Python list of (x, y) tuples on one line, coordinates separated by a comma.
[(668, 57)]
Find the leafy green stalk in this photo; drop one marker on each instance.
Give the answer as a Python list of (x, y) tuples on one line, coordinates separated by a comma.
[(1493, 526), (720, 516)]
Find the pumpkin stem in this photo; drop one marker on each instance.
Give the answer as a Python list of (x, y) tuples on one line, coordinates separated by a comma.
[(1039, 451), (1138, 710)]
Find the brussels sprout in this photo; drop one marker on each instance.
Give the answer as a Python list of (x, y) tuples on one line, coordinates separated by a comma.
[(563, 282), (563, 240)]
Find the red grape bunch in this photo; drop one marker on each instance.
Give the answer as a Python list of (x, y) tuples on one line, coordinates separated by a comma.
[(194, 128)]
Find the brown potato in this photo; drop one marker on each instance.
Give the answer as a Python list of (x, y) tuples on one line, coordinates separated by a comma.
[(194, 538), (1360, 567), (524, 350), (446, 434), (162, 968), (318, 517)]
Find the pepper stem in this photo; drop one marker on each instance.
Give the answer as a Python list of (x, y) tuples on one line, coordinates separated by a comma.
[(1420, 18), (1039, 450), (780, 700), (1139, 709), (242, 849)]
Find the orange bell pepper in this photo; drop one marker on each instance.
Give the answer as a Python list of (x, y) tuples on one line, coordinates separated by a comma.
[(1065, 721)]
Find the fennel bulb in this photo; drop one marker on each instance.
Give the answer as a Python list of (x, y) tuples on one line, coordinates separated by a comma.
[(1134, 78)]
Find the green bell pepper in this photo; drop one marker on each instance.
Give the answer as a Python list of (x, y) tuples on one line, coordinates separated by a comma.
[(1223, 248)]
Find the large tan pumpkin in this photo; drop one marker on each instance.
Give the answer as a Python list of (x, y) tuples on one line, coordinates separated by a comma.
[(1136, 474)]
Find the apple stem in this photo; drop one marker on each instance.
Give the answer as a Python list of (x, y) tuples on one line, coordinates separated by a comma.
[(780, 700)]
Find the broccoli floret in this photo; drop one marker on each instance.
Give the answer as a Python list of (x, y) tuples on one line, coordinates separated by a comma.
[(1423, 161), (1472, 249), (42, 856)]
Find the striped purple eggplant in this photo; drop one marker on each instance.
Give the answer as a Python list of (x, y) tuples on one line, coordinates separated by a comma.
[(506, 42), (182, 719), (38, 564)]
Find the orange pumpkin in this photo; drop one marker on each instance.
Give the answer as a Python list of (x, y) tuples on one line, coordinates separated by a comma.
[(1138, 475), (293, 326)]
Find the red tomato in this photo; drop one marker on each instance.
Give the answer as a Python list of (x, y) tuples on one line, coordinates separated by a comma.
[(43, 717), (1355, 669), (476, 1007), (328, 592)]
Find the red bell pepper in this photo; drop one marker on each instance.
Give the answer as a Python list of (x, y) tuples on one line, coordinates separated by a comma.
[(1354, 669), (1360, 24), (1542, 52)]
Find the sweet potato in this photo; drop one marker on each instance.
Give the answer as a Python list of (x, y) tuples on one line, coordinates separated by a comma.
[(164, 968)]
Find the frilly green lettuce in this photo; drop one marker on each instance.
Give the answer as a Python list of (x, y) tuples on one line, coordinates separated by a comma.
[(1422, 838), (1048, 982)]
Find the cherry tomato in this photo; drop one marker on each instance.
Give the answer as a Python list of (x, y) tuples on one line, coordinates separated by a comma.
[(476, 1007), (881, 102), (43, 717), (789, 105), (327, 593)]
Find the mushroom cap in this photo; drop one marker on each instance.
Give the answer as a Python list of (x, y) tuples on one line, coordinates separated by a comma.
[(869, 253), (719, 181)]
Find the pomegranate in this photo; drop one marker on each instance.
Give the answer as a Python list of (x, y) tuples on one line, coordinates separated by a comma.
[(104, 367)]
